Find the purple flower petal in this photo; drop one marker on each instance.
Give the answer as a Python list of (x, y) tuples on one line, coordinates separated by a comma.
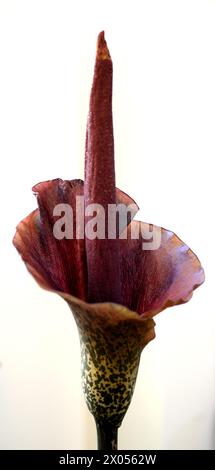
[(153, 280)]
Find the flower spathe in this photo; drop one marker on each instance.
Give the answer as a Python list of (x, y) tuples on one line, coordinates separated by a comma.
[(112, 335), (113, 287), (151, 280)]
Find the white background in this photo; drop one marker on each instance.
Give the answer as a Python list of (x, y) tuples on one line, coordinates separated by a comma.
[(164, 120)]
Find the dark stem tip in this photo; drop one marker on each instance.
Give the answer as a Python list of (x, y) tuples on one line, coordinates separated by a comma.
[(107, 436), (102, 49)]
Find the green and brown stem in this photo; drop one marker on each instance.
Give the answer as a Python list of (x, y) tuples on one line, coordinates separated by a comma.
[(109, 372), (112, 338)]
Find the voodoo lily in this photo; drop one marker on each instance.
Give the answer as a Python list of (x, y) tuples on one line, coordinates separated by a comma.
[(114, 285)]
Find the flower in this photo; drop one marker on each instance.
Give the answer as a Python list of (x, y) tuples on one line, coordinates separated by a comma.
[(112, 285)]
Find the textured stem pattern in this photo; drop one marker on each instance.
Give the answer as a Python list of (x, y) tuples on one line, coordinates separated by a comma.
[(112, 338), (109, 371)]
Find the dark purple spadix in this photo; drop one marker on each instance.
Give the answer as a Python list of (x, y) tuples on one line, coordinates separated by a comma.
[(99, 186)]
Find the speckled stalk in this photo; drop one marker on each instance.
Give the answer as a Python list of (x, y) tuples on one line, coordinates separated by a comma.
[(112, 338), (109, 372)]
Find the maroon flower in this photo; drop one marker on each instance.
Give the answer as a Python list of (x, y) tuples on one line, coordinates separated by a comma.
[(113, 286)]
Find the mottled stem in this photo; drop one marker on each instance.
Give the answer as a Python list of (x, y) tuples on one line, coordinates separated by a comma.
[(111, 339), (107, 435)]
